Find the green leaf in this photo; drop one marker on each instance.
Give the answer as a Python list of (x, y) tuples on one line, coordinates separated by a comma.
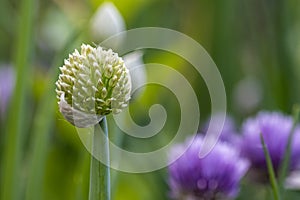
[(270, 167), (10, 183), (44, 119), (284, 168)]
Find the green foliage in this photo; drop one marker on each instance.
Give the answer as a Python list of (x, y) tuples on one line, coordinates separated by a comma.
[(42, 156)]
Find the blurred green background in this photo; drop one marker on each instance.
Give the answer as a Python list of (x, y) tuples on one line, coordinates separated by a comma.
[(255, 44)]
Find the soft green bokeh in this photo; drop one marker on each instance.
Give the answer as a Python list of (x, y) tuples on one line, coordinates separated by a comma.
[(249, 40)]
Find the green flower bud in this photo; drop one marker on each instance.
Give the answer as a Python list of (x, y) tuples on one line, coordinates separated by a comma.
[(92, 83)]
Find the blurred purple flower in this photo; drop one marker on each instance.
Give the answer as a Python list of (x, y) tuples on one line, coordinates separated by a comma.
[(275, 128), (7, 82), (215, 176), (229, 133)]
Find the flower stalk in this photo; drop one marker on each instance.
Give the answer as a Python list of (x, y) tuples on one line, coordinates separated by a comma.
[(285, 165), (272, 178), (99, 171)]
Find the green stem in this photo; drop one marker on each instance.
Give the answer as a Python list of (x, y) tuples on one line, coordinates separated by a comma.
[(44, 119), (270, 167), (12, 156), (99, 172), (284, 168)]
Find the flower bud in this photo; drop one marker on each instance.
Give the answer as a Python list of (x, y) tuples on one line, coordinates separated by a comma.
[(92, 83)]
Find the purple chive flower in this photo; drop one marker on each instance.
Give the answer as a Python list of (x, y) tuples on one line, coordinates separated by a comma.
[(215, 176), (229, 132), (7, 82), (275, 128)]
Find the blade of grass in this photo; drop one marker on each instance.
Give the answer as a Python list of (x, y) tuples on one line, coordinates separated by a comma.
[(284, 168), (270, 167), (10, 185), (43, 122), (99, 172)]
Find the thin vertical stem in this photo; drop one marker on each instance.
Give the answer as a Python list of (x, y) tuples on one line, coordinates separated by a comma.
[(99, 171), (11, 183), (44, 119), (270, 167), (285, 165)]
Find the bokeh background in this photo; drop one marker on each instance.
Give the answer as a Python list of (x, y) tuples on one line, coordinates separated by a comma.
[(255, 44)]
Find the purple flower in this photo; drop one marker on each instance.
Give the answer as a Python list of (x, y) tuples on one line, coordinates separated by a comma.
[(275, 128), (215, 176), (229, 133), (7, 81)]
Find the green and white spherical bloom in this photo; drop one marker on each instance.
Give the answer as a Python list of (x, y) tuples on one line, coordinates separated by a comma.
[(92, 84)]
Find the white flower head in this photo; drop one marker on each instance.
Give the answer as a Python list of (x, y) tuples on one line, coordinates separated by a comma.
[(92, 83)]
